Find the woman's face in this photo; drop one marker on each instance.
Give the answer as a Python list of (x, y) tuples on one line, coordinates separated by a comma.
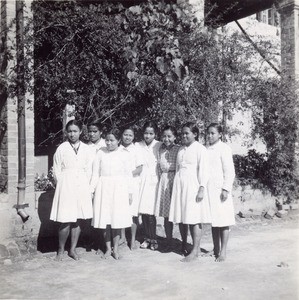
[(168, 137), (149, 135), (94, 133), (73, 133), (213, 135), (111, 142), (188, 137), (127, 137)]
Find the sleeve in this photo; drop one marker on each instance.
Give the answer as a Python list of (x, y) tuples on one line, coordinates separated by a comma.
[(139, 161), (128, 172), (202, 166), (177, 161), (228, 168), (89, 164), (57, 164), (95, 171), (158, 164)]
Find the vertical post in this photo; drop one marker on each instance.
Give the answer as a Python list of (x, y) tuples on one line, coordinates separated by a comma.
[(21, 103), (289, 12)]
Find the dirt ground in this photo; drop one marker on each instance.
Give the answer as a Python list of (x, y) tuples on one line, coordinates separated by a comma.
[(262, 263)]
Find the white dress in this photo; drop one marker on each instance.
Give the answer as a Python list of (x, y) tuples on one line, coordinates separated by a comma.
[(135, 160), (149, 177), (95, 147), (191, 173), (111, 182), (72, 199), (222, 177)]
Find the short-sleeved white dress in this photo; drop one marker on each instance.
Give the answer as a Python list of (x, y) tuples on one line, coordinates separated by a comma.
[(72, 171), (111, 182), (149, 177), (221, 177), (135, 160), (95, 147), (191, 173)]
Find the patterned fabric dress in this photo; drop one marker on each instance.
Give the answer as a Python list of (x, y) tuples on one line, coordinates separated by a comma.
[(222, 177), (149, 177), (72, 171), (111, 181), (166, 168), (191, 173)]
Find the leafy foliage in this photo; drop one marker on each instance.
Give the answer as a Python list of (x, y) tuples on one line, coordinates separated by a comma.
[(123, 65)]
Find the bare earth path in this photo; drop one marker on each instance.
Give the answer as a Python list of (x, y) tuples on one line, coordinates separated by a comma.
[(252, 271)]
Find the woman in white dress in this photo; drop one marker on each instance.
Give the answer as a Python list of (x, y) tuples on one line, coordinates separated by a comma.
[(136, 164), (72, 199), (189, 204), (95, 131), (96, 142), (112, 197), (149, 148), (219, 189)]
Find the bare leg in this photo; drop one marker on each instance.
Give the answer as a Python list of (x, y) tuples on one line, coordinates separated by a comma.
[(152, 231), (145, 223), (216, 240), (224, 234), (184, 234), (196, 236), (101, 234), (168, 232), (133, 233), (75, 233), (63, 233), (122, 239), (107, 236), (152, 227), (116, 236)]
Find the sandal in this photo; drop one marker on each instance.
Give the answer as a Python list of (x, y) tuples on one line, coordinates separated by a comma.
[(145, 244), (154, 245)]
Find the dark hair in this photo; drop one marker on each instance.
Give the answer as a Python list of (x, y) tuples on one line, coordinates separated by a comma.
[(74, 122), (150, 124), (116, 132), (193, 128), (97, 124), (171, 128), (217, 126), (127, 128)]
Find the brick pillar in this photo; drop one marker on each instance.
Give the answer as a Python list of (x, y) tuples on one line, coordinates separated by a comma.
[(289, 11), (11, 225)]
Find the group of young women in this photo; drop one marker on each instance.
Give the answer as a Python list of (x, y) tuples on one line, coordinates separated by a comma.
[(114, 180)]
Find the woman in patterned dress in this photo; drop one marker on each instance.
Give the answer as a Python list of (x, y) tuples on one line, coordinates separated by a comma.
[(166, 168)]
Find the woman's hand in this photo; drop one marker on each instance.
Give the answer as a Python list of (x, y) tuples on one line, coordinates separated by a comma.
[(130, 199), (224, 195), (199, 195)]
